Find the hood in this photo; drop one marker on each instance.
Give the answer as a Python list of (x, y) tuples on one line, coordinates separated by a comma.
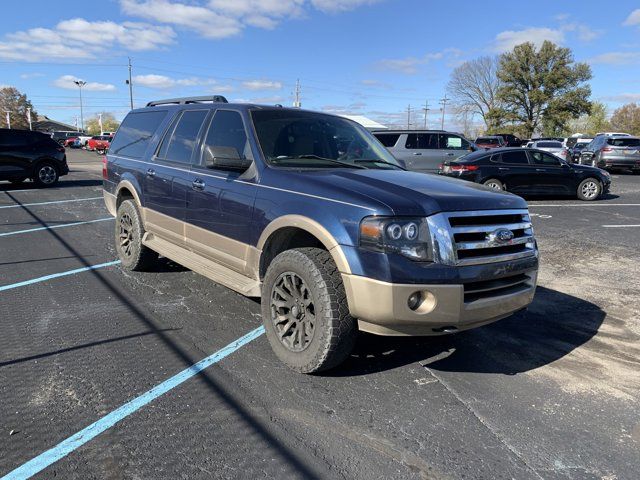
[(586, 168), (402, 192)]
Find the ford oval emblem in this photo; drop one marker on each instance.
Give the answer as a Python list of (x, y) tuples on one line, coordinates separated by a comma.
[(501, 235)]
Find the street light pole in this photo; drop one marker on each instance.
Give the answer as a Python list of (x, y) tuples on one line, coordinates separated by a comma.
[(8, 118), (29, 117), (80, 84)]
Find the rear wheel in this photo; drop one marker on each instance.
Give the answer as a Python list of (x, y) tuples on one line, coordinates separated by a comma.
[(494, 184), (589, 189), (46, 174), (129, 231), (305, 312)]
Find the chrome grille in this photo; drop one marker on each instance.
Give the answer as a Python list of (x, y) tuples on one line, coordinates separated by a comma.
[(476, 237)]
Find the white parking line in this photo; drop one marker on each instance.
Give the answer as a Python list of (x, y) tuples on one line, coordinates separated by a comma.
[(50, 203), (586, 204), (621, 226), (51, 227)]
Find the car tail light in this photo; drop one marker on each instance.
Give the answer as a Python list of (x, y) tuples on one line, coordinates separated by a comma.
[(441, 166), (104, 167), (607, 149), (464, 168)]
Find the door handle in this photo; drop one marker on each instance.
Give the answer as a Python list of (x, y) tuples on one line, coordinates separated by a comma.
[(540, 170), (198, 184), (450, 154), (151, 173), (503, 168), (417, 153)]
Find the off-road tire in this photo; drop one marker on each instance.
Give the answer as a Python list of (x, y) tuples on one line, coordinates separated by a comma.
[(334, 330), (494, 184), (589, 189), (46, 174), (133, 254)]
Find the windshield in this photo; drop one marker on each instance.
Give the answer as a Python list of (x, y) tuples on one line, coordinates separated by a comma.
[(549, 145), (488, 141), (624, 142), (307, 139)]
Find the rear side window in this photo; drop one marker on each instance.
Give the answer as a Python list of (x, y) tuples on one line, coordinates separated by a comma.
[(546, 159), (227, 130), (453, 142), (624, 142), (388, 139), (516, 157), (422, 141), (180, 140), (135, 133)]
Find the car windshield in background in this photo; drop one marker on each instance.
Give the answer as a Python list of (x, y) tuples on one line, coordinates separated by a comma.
[(549, 145), (488, 141), (315, 140), (624, 142)]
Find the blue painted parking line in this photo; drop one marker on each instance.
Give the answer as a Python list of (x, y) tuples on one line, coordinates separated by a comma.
[(57, 275), (76, 440), (51, 227), (51, 203)]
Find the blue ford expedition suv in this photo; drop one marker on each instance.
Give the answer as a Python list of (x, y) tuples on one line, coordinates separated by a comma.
[(311, 213)]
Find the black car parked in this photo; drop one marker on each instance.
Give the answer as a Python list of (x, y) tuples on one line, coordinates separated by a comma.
[(528, 171), (26, 154), (510, 139)]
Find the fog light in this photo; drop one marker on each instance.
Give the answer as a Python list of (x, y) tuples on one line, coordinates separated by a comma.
[(415, 299)]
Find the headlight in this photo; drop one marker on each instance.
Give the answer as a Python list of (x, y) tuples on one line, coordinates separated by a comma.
[(405, 236)]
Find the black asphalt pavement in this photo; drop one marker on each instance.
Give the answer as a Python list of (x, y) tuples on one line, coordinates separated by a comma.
[(550, 393)]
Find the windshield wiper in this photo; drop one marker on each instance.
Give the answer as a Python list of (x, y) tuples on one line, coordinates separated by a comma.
[(317, 157), (371, 160)]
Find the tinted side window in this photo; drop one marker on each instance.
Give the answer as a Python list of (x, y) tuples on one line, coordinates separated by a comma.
[(135, 133), (422, 141), (179, 142), (517, 157), (388, 139), (227, 130), (453, 142), (540, 158)]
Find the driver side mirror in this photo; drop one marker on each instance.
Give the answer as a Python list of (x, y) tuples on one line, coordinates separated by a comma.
[(225, 158)]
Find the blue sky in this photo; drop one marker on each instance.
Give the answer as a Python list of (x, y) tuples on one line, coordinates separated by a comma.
[(368, 57)]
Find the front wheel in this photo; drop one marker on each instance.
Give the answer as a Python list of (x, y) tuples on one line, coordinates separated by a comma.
[(589, 189), (129, 231), (46, 175), (494, 184), (305, 312)]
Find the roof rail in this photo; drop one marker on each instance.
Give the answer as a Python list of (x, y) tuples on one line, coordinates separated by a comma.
[(188, 100)]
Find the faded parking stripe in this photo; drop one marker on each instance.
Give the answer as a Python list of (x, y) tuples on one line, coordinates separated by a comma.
[(51, 227), (51, 203)]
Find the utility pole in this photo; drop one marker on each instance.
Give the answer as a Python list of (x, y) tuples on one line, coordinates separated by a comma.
[(426, 111), (443, 102), (80, 84), (8, 112), (29, 117), (297, 103), (100, 123), (130, 83), (408, 116), (75, 122)]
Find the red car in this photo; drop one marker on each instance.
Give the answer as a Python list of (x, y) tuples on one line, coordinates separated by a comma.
[(492, 141), (69, 141), (99, 142)]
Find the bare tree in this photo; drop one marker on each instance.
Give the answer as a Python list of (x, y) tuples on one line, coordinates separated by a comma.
[(473, 86)]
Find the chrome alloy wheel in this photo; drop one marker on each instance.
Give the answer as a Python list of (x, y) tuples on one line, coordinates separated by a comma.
[(590, 189), (126, 235), (292, 312), (47, 174)]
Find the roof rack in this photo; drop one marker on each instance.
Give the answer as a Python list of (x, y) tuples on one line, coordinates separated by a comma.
[(188, 100)]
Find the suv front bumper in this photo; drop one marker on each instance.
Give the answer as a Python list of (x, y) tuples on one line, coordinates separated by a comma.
[(383, 308)]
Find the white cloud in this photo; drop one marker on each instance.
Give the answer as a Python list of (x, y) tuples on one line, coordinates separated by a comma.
[(268, 100), (623, 98), (584, 33), (633, 18), (335, 6), (261, 85), (26, 76), (616, 58), (67, 82), (162, 82), (508, 39), (410, 65), (82, 39)]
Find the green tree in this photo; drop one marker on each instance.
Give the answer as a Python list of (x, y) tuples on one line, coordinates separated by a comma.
[(593, 122), (109, 124), (627, 119), (542, 89), (17, 104)]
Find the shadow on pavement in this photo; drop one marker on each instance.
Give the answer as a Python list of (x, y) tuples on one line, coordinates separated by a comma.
[(554, 325), (8, 187)]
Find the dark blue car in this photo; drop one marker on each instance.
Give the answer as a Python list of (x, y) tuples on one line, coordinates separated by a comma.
[(311, 213)]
